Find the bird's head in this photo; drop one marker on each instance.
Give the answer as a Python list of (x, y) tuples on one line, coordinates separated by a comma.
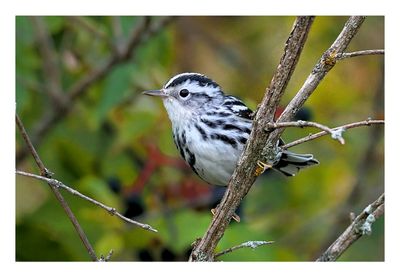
[(187, 95)]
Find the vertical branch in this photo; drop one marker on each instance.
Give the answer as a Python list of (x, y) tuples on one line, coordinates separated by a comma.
[(46, 173), (244, 176)]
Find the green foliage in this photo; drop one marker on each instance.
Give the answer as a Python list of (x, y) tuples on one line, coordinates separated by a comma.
[(115, 145)]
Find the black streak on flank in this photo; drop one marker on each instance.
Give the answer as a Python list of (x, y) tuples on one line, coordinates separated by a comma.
[(210, 124), (231, 127), (225, 139), (183, 135), (234, 127), (213, 124), (201, 79), (247, 130), (242, 140), (179, 145), (191, 160), (219, 114), (201, 131)]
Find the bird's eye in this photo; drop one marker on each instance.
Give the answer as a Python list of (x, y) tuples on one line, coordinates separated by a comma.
[(184, 93)]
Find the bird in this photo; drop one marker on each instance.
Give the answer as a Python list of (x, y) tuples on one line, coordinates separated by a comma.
[(210, 128)]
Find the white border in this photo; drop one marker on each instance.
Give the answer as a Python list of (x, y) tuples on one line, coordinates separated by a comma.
[(204, 7)]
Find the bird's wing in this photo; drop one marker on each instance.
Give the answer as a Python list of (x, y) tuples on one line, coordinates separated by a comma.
[(236, 106)]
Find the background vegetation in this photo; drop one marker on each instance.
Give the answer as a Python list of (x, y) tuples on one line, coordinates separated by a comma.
[(115, 145)]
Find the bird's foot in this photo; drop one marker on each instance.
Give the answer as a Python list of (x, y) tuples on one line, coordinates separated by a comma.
[(261, 168)]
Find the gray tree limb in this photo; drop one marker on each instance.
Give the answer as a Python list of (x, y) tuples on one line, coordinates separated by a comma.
[(244, 176), (360, 226), (262, 145)]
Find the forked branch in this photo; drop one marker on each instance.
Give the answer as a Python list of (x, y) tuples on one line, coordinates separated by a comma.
[(46, 175), (244, 176), (343, 128), (261, 145), (335, 133)]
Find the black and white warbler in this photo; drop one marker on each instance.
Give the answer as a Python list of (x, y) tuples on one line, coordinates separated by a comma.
[(211, 128)]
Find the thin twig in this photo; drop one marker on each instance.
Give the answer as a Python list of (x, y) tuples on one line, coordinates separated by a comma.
[(360, 53), (43, 170), (335, 133), (57, 184), (250, 244), (359, 227), (47, 174), (75, 223), (310, 137)]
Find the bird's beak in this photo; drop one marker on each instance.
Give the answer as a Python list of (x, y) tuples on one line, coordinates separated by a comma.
[(159, 93)]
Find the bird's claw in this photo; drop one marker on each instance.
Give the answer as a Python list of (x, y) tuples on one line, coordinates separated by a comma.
[(261, 168)]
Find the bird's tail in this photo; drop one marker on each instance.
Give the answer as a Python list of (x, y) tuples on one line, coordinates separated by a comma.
[(290, 163)]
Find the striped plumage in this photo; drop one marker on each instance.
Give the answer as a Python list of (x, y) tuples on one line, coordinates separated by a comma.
[(210, 128)]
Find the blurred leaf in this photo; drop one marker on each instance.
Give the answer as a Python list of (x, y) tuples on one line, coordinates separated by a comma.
[(32, 194), (55, 24), (120, 166), (187, 226), (133, 126), (98, 190), (30, 238), (110, 241), (115, 88), (68, 151)]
